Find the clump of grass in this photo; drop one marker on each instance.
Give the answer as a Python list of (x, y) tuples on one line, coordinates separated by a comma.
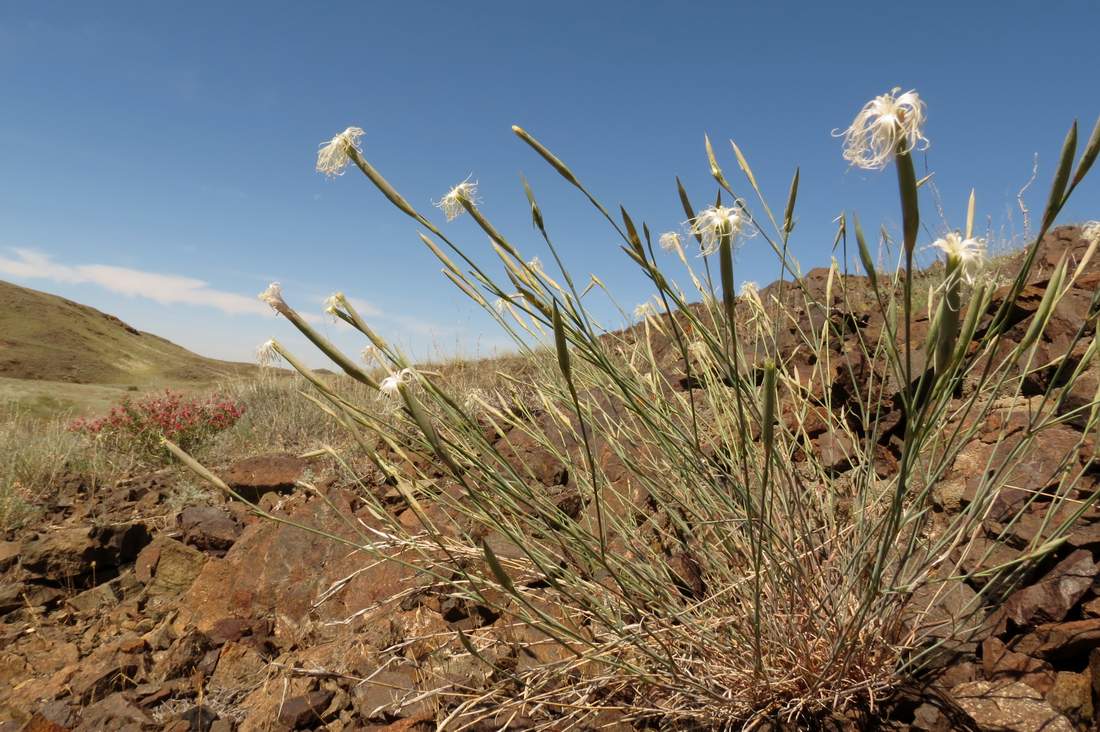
[(706, 564), (38, 452)]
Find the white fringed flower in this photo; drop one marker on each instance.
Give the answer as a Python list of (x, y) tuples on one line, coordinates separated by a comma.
[(333, 303), (670, 242), (968, 253), (1090, 232), (451, 204), (268, 353), (474, 400), (535, 265), (334, 155), (644, 310), (750, 289), (273, 296), (390, 385), (887, 125), (370, 355), (711, 224), (503, 303)]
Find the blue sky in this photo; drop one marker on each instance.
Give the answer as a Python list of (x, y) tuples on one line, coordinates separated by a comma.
[(157, 158)]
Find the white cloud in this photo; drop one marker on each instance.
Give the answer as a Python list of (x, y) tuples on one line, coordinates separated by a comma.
[(166, 289)]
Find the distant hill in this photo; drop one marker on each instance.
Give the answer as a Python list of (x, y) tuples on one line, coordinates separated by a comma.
[(46, 338)]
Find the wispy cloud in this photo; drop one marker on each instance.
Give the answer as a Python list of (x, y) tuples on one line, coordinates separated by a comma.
[(167, 289)]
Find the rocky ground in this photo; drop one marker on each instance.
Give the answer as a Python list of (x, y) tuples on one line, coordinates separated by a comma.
[(117, 612)]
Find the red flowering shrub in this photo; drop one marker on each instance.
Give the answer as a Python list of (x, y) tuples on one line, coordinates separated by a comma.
[(137, 426)]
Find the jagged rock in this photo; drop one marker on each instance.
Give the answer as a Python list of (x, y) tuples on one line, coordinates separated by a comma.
[(208, 528), (184, 655), (198, 718), (305, 710), (1060, 640), (1072, 695), (388, 694), (998, 663), (83, 556), (9, 554), (109, 668), (255, 476), (17, 595), (835, 450), (528, 457), (172, 567), (997, 706), (116, 712), (1052, 597)]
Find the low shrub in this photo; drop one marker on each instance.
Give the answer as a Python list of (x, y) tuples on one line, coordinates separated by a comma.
[(138, 426)]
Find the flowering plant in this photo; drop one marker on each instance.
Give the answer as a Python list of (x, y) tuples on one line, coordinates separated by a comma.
[(137, 426)]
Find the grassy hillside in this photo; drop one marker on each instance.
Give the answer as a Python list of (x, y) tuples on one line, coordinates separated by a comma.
[(56, 354)]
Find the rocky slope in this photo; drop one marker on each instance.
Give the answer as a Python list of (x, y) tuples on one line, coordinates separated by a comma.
[(119, 613)]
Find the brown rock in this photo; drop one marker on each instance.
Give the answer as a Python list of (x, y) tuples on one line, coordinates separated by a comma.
[(1054, 641), (305, 710), (16, 595), (177, 566), (1050, 599), (116, 712), (238, 666), (39, 723), (208, 528), (389, 694), (532, 459), (255, 476), (107, 669), (1072, 695), (998, 662), (83, 556), (183, 655), (1085, 537), (834, 450), (1008, 707), (9, 554)]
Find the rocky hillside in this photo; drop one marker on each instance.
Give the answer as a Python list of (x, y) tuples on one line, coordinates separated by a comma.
[(119, 612)]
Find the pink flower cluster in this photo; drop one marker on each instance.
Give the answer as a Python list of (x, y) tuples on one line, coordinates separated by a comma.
[(142, 423)]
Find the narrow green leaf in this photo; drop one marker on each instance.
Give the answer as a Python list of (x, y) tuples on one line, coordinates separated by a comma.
[(788, 214), (497, 569), (1061, 177)]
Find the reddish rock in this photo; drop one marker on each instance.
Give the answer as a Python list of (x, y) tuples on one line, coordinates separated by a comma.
[(116, 712), (389, 694), (208, 528), (1060, 640), (834, 450), (1072, 695), (176, 567), (998, 662), (1050, 599), (529, 458), (39, 723), (255, 476), (81, 555), (107, 669), (1008, 707), (306, 710), (9, 554)]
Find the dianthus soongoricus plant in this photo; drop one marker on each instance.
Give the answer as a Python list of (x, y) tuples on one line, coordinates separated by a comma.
[(703, 563)]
